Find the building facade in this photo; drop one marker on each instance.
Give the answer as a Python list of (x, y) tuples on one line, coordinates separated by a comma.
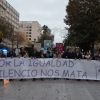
[(32, 29), (9, 13)]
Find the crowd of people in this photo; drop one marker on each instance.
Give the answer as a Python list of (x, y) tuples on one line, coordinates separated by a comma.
[(69, 54)]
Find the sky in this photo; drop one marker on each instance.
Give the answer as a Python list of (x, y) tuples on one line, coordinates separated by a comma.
[(46, 12)]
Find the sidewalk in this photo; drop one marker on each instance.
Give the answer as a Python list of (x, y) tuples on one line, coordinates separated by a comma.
[(50, 89)]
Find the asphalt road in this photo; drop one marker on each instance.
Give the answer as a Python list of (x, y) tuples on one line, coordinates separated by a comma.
[(50, 89)]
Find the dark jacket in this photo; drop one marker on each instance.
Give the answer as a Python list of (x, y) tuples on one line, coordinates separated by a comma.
[(35, 54), (69, 55), (96, 58), (48, 55), (23, 54), (77, 56), (2, 55), (42, 56), (11, 54)]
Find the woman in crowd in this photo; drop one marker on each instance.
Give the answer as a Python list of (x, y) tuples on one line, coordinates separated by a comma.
[(57, 54), (23, 53), (42, 55), (83, 55), (49, 53), (87, 56)]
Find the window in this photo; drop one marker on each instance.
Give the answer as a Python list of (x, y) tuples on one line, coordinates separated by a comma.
[(29, 38), (29, 35), (29, 32)]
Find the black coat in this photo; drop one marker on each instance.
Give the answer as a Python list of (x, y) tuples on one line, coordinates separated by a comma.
[(35, 54), (22, 54), (11, 54), (69, 55), (96, 58), (77, 56), (2, 55), (42, 56)]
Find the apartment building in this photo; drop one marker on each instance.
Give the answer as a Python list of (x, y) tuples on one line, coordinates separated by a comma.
[(9, 13), (32, 29)]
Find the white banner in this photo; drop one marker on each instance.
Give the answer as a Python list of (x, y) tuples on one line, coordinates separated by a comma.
[(12, 68)]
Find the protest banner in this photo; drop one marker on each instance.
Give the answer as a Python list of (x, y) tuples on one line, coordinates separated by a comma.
[(49, 68)]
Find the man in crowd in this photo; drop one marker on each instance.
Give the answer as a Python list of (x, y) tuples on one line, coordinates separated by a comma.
[(96, 57), (34, 54), (11, 53), (77, 54), (1, 54), (22, 53), (68, 54)]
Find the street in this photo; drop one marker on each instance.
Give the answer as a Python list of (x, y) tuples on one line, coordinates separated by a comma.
[(50, 89)]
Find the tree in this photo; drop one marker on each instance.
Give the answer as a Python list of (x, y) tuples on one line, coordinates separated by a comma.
[(17, 38), (20, 38), (83, 18), (46, 30), (6, 28), (46, 35)]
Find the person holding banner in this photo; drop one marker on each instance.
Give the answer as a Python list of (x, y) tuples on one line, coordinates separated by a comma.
[(57, 54), (87, 56), (77, 55), (22, 53), (96, 57), (68, 54), (11, 53), (49, 53), (34, 54), (42, 55), (1, 54)]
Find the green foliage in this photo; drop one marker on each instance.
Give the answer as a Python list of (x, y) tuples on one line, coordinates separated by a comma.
[(46, 35), (46, 30), (6, 28), (83, 18)]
